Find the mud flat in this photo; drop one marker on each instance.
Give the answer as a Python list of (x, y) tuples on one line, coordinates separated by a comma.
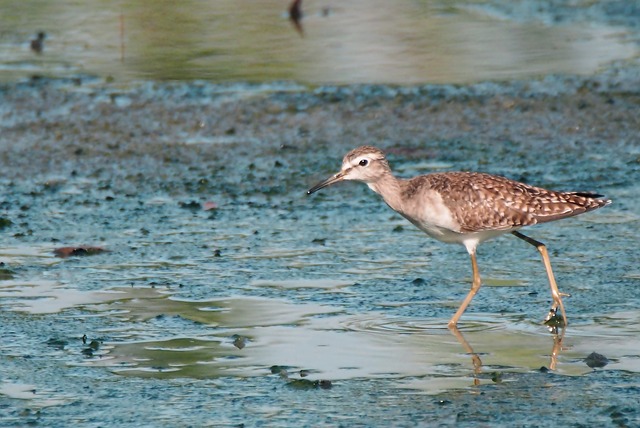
[(201, 286)]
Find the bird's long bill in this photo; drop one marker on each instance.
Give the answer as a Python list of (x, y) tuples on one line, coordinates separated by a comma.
[(328, 182)]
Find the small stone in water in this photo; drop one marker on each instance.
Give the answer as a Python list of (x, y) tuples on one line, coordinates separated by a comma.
[(595, 360), (240, 342)]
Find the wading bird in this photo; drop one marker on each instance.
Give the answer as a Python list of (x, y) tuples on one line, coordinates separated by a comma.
[(467, 208)]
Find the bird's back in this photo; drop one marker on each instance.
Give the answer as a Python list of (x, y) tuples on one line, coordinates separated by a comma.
[(482, 202)]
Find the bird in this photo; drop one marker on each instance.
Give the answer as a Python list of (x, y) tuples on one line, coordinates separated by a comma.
[(467, 208), (37, 44)]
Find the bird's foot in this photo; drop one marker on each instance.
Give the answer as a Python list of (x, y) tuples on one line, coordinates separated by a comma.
[(554, 320)]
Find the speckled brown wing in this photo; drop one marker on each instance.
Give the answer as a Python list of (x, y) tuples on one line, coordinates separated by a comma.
[(480, 202)]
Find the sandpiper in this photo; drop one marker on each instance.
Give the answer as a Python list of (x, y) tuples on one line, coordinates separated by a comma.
[(467, 208)]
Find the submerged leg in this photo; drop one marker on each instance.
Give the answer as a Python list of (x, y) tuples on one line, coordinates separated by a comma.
[(475, 286), (555, 293)]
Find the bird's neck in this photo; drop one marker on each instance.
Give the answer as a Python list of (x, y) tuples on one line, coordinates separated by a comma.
[(388, 187)]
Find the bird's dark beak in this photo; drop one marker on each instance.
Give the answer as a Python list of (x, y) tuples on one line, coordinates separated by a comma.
[(328, 182)]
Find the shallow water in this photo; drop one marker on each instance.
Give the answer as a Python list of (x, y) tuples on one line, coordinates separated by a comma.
[(404, 42)]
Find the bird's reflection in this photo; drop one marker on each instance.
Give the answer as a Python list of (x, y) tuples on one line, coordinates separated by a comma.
[(557, 348), (557, 334), (475, 359)]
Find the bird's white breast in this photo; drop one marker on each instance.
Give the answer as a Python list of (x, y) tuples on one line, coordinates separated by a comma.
[(429, 214)]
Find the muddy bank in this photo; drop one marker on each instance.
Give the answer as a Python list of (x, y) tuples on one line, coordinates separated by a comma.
[(83, 125)]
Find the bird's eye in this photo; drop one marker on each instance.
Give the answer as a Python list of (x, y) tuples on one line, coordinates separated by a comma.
[(364, 162)]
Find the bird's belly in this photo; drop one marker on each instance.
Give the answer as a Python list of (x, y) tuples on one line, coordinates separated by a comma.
[(441, 233), (449, 236)]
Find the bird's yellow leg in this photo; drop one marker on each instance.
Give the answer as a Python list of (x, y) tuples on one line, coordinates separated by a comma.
[(475, 286), (555, 293)]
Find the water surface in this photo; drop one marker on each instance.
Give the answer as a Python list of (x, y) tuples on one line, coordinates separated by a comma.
[(400, 42)]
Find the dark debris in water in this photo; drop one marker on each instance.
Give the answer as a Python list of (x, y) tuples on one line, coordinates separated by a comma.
[(595, 360), (301, 383), (90, 350), (192, 205), (239, 341), (5, 272), (57, 343), (5, 222), (306, 384), (64, 252)]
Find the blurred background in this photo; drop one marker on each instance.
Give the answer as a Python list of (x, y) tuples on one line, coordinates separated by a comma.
[(334, 42)]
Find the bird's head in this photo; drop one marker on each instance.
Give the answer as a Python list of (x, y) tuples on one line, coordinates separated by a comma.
[(366, 163)]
